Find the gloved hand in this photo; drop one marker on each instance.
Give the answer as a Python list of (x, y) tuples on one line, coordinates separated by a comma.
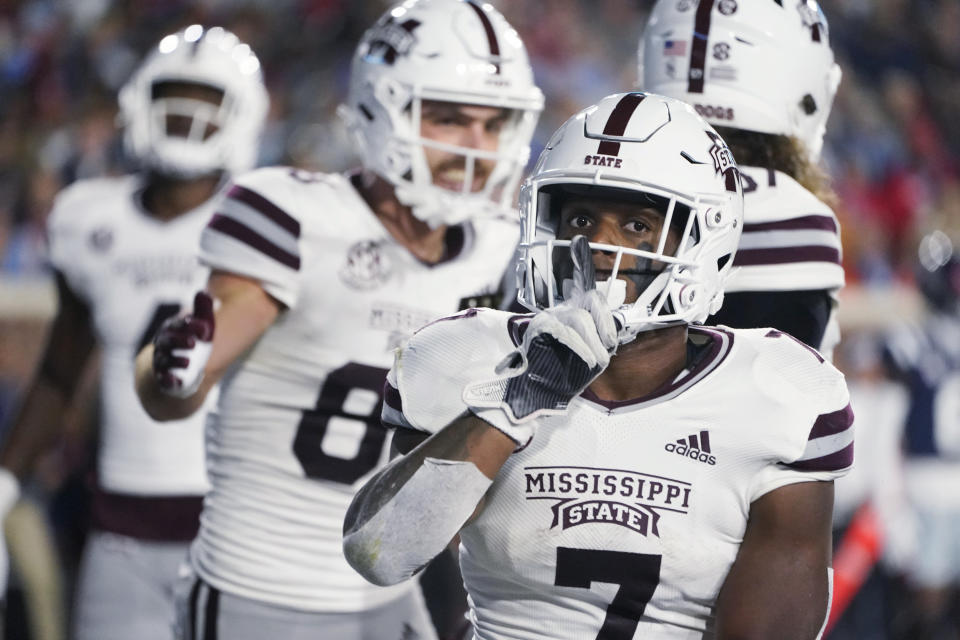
[(182, 348), (564, 349)]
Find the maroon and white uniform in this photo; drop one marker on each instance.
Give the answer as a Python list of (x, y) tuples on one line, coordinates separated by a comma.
[(790, 242), (133, 271), (297, 428), (627, 515)]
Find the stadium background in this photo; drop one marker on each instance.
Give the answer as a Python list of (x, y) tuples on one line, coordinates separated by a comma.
[(892, 150)]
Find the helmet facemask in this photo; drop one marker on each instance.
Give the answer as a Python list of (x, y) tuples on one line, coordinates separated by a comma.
[(489, 179), (186, 120), (656, 284), (434, 186)]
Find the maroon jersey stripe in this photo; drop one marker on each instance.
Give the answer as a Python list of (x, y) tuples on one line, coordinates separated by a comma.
[(617, 122), (811, 222), (698, 52), (828, 424), (266, 208), (248, 236), (785, 255), (391, 397), (488, 29), (831, 462), (156, 518)]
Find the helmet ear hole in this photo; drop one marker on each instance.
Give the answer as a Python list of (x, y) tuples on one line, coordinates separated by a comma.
[(808, 104)]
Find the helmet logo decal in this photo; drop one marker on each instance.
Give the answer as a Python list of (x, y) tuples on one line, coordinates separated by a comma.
[(674, 47), (728, 7), (488, 29), (390, 39), (698, 52), (723, 163), (617, 122), (721, 51)]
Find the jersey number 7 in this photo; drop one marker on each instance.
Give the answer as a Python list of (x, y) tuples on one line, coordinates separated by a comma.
[(636, 573)]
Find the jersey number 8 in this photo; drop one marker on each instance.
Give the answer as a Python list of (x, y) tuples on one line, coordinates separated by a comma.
[(352, 395)]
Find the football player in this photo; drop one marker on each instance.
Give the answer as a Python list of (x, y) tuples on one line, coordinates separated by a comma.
[(613, 469), (925, 357), (763, 74), (317, 278), (124, 253)]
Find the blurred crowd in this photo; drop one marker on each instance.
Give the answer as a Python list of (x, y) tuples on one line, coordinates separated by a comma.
[(891, 148)]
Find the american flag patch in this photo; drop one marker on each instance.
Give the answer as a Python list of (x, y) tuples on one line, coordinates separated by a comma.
[(675, 48)]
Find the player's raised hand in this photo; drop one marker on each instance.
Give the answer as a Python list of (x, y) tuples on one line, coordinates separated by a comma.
[(583, 293), (564, 349), (182, 347)]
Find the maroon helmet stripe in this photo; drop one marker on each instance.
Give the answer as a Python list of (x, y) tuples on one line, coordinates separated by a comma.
[(617, 122), (488, 28), (698, 52)]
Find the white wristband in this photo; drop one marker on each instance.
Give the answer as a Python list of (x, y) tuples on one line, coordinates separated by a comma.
[(9, 492)]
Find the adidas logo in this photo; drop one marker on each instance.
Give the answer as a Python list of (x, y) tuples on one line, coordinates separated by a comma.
[(696, 447)]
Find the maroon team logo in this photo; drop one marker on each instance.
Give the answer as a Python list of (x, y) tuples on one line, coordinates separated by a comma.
[(584, 495), (367, 266), (390, 39), (723, 162)]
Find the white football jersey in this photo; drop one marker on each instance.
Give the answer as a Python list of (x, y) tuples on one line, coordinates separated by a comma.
[(133, 271), (297, 430), (622, 519), (790, 241)]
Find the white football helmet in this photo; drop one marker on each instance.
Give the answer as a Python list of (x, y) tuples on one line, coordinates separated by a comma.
[(460, 51), (758, 65), (224, 137), (657, 152)]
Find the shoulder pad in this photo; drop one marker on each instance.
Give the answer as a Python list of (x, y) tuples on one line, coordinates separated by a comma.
[(436, 363)]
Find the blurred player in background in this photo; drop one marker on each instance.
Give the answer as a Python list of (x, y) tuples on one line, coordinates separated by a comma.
[(124, 253), (317, 279), (613, 470), (926, 359), (764, 75)]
